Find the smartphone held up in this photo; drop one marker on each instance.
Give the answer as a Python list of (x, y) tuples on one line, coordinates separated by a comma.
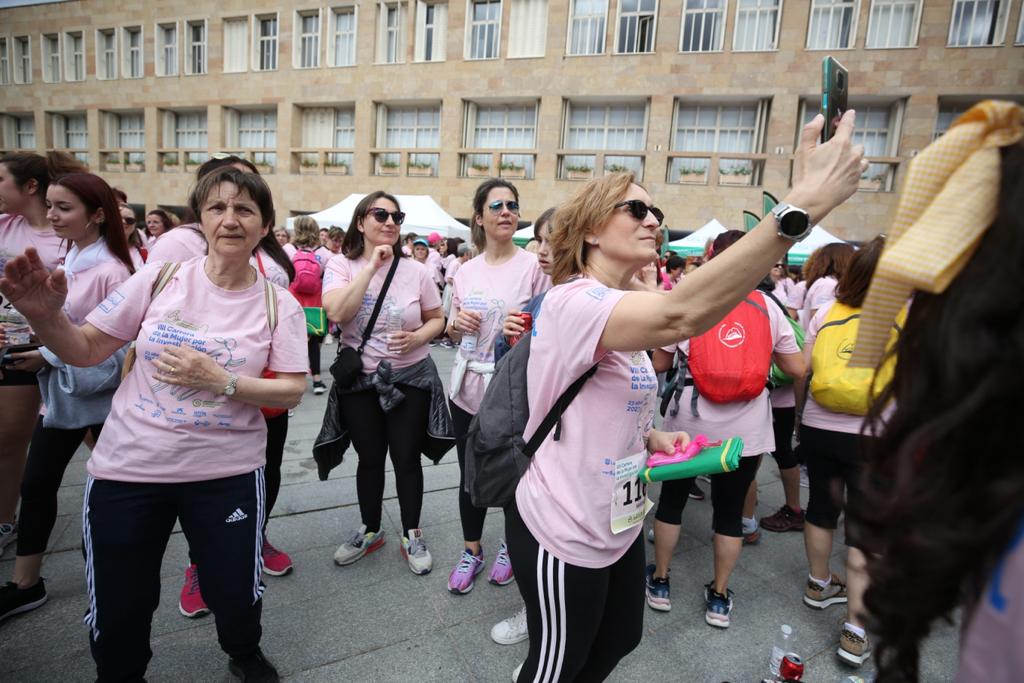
[(835, 81)]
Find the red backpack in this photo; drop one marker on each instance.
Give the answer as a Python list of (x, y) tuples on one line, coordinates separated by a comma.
[(307, 274), (730, 362)]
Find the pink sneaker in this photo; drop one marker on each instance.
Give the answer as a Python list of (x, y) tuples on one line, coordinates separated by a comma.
[(462, 578), (275, 562), (191, 603), (501, 570)]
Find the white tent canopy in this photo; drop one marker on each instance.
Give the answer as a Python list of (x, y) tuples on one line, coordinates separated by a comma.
[(693, 244), (422, 215), (523, 235), (819, 237)]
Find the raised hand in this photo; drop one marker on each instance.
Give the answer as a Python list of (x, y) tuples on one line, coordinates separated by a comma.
[(36, 292), (826, 175)]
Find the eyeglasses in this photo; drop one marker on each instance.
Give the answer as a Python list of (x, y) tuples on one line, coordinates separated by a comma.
[(381, 216), (128, 221), (638, 210), (496, 206)]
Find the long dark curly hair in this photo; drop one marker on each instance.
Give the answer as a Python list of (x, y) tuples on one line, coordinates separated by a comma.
[(944, 482)]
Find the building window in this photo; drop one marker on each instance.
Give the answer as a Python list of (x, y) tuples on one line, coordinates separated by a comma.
[(236, 45), (410, 127), (757, 25), (254, 129), (266, 43), (22, 59), (893, 23), (106, 54), (948, 113), (187, 131), (307, 40), (329, 127), (51, 58), (637, 26), (503, 126), (484, 29), (703, 26), (167, 49), (390, 36), (877, 130), (195, 34), (124, 132), (431, 31), (718, 129), (74, 54), (343, 32), (71, 133), (528, 28), (131, 40), (5, 62), (131, 131), (1020, 29), (977, 23), (832, 24), (619, 126), (587, 22), (25, 132)]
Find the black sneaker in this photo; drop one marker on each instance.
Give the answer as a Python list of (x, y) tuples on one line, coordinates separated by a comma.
[(14, 600), (319, 387), (696, 492), (254, 669)]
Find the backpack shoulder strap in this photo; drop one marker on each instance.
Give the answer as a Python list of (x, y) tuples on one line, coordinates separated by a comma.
[(778, 303), (167, 272), (555, 414), (756, 305), (270, 298)]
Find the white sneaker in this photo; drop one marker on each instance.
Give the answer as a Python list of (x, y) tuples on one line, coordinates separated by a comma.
[(359, 543), (8, 535), (415, 552), (804, 481), (515, 672), (511, 630)]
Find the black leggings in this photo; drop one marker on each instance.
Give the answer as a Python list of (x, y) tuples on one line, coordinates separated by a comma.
[(277, 434), (728, 492), (472, 517), (402, 432), (48, 457), (313, 347), (833, 467), (783, 420), (581, 621)]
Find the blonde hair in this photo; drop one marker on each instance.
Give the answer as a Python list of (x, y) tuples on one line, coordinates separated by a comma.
[(581, 216), (307, 233)]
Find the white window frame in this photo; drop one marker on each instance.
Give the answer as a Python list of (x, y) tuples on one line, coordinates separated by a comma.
[(757, 132), (385, 110), (163, 50), (760, 10), (880, 6), (178, 132), (307, 45), (263, 130), (6, 77), (51, 73), (1000, 29), (334, 33), (74, 62), (639, 15), (474, 109), (117, 133), (102, 72), (19, 134), (518, 28), (606, 125), (22, 58), (202, 47), (385, 32), (127, 50), (492, 27), (258, 41), (244, 20), (590, 19), (60, 123), (705, 13), (434, 35), (832, 8), (1019, 38)]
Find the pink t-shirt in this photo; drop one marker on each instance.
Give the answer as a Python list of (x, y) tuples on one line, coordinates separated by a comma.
[(92, 275), (434, 264), (449, 273), (783, 397), (289, 249), (565, 495), (797, 294), (163, 434), (822, 292), (272, 270), (411, 291), (178, 245), (492, 291), (16, 235), (749, 420), (323, 255), (814, 415)]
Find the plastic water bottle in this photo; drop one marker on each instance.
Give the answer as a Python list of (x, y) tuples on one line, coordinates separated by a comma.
[(783, 644), (394, 321)]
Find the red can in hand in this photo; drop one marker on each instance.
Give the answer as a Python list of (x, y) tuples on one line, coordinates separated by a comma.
[(527, 322)]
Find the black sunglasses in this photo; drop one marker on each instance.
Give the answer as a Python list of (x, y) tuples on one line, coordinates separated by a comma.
[(638, 210), (381, 215), (128, 221), (511, 205)]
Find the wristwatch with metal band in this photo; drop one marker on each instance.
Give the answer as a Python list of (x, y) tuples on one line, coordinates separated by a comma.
[(793, 222)]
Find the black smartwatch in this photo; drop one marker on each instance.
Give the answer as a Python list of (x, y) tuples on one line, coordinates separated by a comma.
[(794, 223)]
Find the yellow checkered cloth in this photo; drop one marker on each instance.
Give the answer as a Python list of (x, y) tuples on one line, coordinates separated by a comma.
[(948, 202)]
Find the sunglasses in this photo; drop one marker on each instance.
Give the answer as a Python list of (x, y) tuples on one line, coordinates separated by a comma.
[(638, 210), (496, 206), (128, 221), (780, 265), (381, 216)]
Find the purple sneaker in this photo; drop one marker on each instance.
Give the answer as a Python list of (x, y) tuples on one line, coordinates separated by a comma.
[(462, 578), (501, 570)]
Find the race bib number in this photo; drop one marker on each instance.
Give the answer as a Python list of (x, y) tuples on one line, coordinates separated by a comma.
[(629, 497)]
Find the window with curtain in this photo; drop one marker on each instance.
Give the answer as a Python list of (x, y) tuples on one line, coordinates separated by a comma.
[(977, 23), (411, 127), (431, 31), (893, 23), (390, 36), (195, 32), (343, 34), (1020, 30), (131, 131), (167, 50), (257, 129), (504, 126), (528, 28), (616, 126), (948, 113), (76, 135), (106, 54), (832, 24), (190, 130), (266, 43), (132, 50), (25, 132), (5, 62), (637, 26), (484, 29), (703, 26), (757, 25), (74, 56), (307, 49), (587, 21), (22, 59), (876, 130), (51, 58), (717, 129), (236, 44)]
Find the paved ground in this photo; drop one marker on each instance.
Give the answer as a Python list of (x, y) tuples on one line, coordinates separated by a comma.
[(376, 621)]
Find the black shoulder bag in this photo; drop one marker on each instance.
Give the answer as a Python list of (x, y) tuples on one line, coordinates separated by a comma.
[(348, 364)]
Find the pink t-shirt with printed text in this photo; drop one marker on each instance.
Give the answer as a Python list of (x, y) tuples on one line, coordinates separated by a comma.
[(164, 434), (492, 291), (814, 415), (565, 495), (749, 420), (88, 287), (412, 290), (178, 245)]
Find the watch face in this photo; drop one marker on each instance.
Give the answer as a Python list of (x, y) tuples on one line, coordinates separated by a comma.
[(794, 223)]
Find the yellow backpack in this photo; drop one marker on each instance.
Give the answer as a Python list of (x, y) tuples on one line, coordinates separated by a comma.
[(834, 385)]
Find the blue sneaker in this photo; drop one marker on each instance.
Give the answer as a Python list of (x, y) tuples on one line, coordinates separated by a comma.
[(657, 592), (718, 606)]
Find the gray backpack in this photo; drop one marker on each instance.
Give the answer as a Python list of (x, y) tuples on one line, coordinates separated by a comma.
[(496, 453)]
